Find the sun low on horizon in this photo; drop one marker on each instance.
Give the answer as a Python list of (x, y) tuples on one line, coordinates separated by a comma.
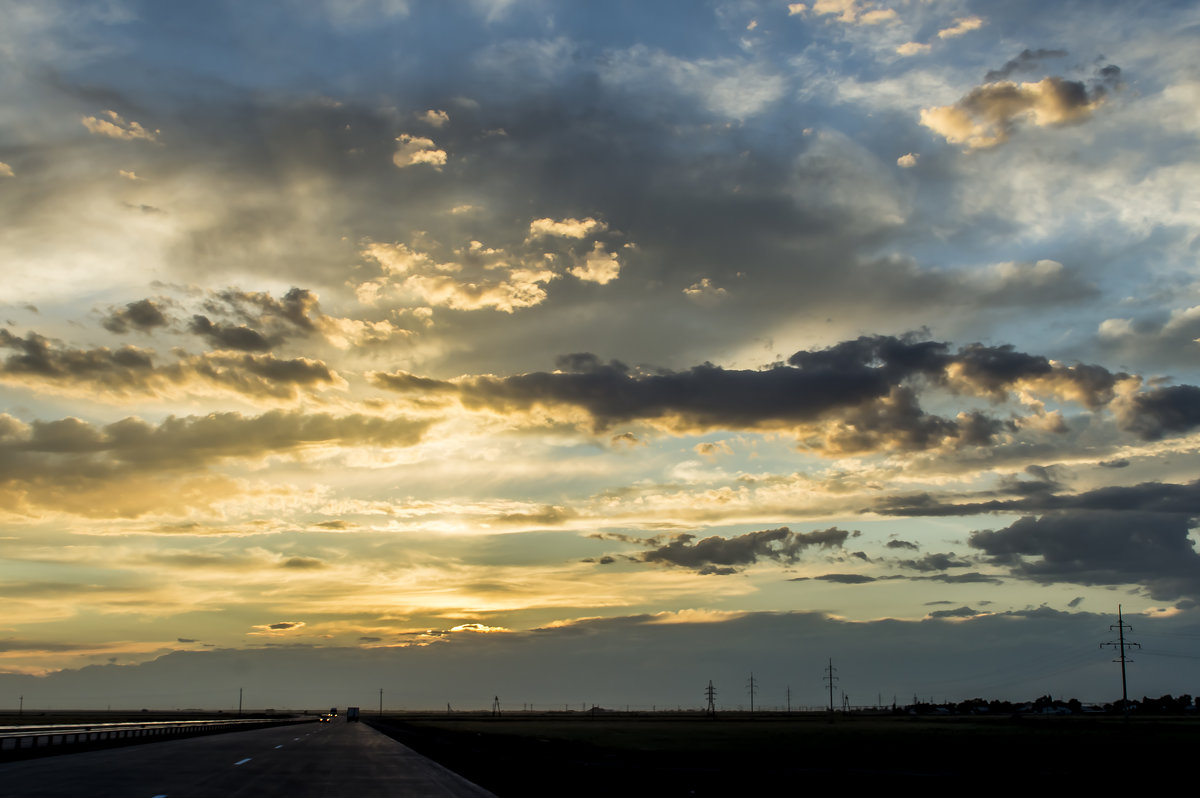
[(345, 328)]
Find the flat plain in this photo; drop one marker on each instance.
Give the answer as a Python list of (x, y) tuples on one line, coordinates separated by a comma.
[(665, 755)]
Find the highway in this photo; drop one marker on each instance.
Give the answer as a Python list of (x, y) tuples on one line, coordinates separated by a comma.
[(315, 759)]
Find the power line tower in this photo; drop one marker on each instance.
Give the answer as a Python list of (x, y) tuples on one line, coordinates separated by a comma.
[(1119, 645), (496, 707), (751, 687), (829, 678), (789, 698), (710, 693)]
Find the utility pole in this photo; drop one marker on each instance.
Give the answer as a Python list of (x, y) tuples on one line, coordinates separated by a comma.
[(381, 702), (496, 707), (239, 702), (789, 698), (829, 678), (752, 685), (21, 711), (1120, 645), (710, 693)]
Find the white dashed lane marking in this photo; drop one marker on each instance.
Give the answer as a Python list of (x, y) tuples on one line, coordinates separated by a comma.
[(278, 747), (242, 762)]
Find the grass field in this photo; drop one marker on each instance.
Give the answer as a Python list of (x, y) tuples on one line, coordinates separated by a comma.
[(667, 756)]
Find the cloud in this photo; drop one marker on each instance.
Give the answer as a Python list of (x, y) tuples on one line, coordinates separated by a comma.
[(913, 48), (902, 544), (851, 12), (479, 278), (281, 626), (196, 440), (846, 579), (222, 337), (1026, 61), (734, 88), (705, 293), (1161, 411), (302, 563), (721, 556), (5, 170), (118, 128), (567, 228), (130, 371), (1147, 497), (860, 395), (132, 467), (989, 114), (435, 118), (1100, 548), (907, 161), (961, 25), (143, 315), (960, 612), (598, 266), (934, 562), (414, 150)]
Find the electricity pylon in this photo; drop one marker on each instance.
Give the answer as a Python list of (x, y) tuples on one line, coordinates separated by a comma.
[(710, 693), (829, 678), (1120, 645)]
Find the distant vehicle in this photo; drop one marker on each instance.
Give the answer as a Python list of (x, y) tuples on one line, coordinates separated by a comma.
[(351, 714), (333, 712), (324, 718)]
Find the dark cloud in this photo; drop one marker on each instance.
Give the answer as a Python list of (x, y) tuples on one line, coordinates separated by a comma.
[(935, 562), (960, 612), (224, 337), (130, 370), (1149, 497), (77, 467), (972, 578), (1027, 61), (846, 579), (1155, 413), (902, 544), (717, 555), (302, 563), (859, 395), (1046, 479), (548, 515), (261, 308), (1152, 549), (143, 315), (38, 357), (282, 625), (184, 640)]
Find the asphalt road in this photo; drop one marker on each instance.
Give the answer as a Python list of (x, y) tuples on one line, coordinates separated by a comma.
[(315, 759)]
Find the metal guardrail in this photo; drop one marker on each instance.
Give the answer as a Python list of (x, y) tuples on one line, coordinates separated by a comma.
[(19, 742)]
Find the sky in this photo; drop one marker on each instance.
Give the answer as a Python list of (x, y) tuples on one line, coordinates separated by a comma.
[(586, 352)]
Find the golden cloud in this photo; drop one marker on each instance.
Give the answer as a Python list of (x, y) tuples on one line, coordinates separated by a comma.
[(986, 116)]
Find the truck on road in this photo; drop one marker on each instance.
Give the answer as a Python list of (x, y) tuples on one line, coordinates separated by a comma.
[(351, 714)]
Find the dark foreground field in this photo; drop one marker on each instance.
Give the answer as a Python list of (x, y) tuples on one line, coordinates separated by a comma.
[(526, 756)]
